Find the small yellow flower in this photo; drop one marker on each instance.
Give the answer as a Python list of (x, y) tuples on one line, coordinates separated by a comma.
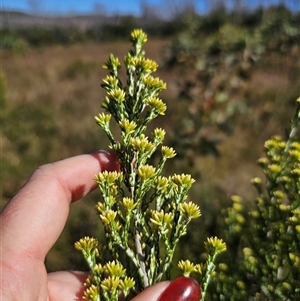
[(296, 145), (190, 210), (154, 83), (200, 268), (283, 207), (168, 152), (110, 82), (87, 243), (127, 126), (103, 119), (274, 168), (117, 95), (284, 179), (247, 252), (240, 219), (162, 183), (215, 245), (183, 179), (238, 207), (263, 161), (160, 218), (113, 63), (187, 267), (241, 285), (100, 207), (98, 269), (108, 177), (236, 199), (110, 283), (92, 292), (126, 285), (108, 216), (296, 172), (128, 203), (146, 65), (275, 143), (113, 268), (252, 260), (138, 37), (286, 286), (159, 134), (146, 172), (142, 144), (254, 214), (278, 194), (90, 280), (157, 105), (117, 226)]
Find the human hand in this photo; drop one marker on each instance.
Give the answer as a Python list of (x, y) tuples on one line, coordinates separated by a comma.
[(33, 220)]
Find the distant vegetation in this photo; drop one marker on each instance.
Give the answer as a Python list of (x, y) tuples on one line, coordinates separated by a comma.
[(38, 30), (232, 81)]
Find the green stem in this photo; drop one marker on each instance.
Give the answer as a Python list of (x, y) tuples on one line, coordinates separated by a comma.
[(210, 268), (141, 257)]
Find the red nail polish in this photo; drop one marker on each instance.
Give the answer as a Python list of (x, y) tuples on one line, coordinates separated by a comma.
[(182, 289)]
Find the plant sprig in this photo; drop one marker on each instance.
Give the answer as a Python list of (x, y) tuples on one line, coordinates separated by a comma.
[(144, 213)]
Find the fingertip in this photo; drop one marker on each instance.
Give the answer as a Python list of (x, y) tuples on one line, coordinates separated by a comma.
[(182, 289), (152, 293), (108, 160), (65, 286)]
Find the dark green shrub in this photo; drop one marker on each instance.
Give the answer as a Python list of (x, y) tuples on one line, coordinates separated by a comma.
[(13, 43)]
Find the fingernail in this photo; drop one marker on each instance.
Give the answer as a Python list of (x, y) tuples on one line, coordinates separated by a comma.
[(182, 289)]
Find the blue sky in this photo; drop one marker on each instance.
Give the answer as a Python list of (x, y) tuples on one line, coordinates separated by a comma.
[(118, 6)]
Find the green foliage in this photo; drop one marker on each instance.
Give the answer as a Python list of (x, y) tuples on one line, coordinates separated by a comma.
[(18, 39), (13, 42), (265, 241), (216, 63), (275, 23), (279, 28)]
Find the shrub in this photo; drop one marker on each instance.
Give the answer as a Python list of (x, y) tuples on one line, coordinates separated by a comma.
[(264, 242)]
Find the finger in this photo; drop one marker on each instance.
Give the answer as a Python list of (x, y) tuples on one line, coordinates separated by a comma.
[(152, 293), (66, 286), (35, 217)]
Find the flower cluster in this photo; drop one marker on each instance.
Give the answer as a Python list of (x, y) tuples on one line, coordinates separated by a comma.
[(268, 238), (214, 246), (104, 280), (144, 213)]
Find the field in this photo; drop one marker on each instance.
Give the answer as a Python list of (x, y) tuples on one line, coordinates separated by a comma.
[(217, 121)]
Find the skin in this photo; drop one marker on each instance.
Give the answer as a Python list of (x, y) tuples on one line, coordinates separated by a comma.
[(33, 220)]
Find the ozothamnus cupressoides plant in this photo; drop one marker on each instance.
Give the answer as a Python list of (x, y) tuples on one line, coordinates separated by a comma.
[(266, 265), (144, 213)]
